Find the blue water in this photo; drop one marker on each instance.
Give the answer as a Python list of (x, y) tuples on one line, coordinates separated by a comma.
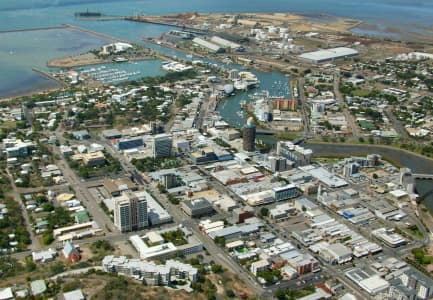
[(30, 13), (22, 51)]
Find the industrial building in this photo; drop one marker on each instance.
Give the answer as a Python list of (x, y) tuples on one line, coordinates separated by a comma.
[(130, 211), (225, 43), (328, 55), (204, 44)]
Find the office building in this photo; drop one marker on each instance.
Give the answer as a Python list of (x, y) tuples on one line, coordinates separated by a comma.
[(169, 180), (162, 145), (130, 211), (285, 192), (249, 136), (197, 208)]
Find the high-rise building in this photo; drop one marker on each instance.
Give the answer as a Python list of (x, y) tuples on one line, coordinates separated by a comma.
[(162, 145), (277, 164), (130, 211), (169, 180), (249, 136)]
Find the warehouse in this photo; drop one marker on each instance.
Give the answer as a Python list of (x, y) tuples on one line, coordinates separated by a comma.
[(225, 43), (211, 47), (328, 54)]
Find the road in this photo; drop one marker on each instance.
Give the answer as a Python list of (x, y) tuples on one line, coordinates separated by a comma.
[(35, 245), (398, 126), (218, 255), (304, 108), (82, 193), (340, 100)]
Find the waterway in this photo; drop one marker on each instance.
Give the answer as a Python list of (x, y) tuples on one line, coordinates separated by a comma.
[(416, 163)]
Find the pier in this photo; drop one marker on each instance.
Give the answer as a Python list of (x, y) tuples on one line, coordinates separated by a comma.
[(101, 35), (157, 22), (49, 76), (34, 29)]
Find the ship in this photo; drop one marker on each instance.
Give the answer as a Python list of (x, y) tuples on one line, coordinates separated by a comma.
[(88, 14)]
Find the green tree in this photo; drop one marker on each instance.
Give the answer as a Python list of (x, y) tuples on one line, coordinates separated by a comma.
[(264, 212)]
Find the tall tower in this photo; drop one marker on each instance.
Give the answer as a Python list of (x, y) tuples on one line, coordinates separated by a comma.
[(130, 212), (161, 145), (249, 135)]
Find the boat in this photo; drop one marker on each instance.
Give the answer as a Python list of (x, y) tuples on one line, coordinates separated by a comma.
[(228, 89), (120, 59)]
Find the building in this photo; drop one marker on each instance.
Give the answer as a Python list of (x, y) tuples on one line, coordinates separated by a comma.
[(336, 254), (226, 44), (294, 153), (242, 213), (162, 145), (389, 237), (130, 211), (259, 266), (149, 272), (350, 169), (38, 287), (277, 164), (44, 255), (81, 135), (17, 147), (70, 252), (285, 104), (285, 192), (73, 295), (116, 186), (169, 180), (156, 214), (249, 136), (115, 48), (6, 294), (197, 207), (303, 263), (129, 143), (328, 55), (111, 134), (210, 47)]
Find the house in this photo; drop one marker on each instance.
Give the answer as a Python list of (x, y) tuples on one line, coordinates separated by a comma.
[(73, 295), (81, 135), (38, 287), (71, 252), (6, 294)]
